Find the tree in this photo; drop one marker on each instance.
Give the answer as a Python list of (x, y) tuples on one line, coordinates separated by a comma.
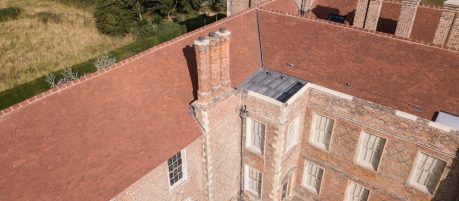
[(218, 5), (115, 17), (162, 7)]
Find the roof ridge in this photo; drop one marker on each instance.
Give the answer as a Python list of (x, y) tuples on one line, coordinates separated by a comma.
[(373, 32), (423, 5), (115, 66)]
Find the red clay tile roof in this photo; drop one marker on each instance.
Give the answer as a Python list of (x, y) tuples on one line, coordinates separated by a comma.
[(93, 139), (425, 24), (392, 72), (281, 5)]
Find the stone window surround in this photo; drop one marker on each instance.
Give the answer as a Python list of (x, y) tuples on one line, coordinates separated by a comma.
[(323, 147), (348, 188), (420, 187), (315, 190), (365, 164), (246, 177), (184, 179), (297, 124), (248, 135)]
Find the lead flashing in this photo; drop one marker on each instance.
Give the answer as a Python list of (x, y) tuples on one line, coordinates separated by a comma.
[(332, 92), (406, 115)]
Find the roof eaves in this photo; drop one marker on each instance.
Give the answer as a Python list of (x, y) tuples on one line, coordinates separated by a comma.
[(352, 28), (96, 74)]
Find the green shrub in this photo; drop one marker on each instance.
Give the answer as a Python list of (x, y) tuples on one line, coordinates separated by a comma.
[(115, 17), (164, 32), (201, 20), (145, 29), (10, 13), (79, 3)]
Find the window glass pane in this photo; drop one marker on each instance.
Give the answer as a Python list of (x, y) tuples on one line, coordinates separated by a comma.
[(322, 129), (357, 192), (370, 150), (175, 168), (255, 135), (427, 172), (253, 180), (312, 177)]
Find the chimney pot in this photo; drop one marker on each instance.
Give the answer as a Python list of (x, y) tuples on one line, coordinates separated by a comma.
[(223, 29)]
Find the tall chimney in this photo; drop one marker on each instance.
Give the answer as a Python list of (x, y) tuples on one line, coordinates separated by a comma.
[(367, 14), (225, 37), (407, 16), (201, 46), (448, 28), (215, 60)]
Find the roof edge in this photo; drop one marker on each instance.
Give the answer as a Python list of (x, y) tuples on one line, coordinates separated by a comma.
[(375, 33), (117, 65), (423, 5)]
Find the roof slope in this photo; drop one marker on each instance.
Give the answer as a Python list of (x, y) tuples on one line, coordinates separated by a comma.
[(392, 72), (93, 139)]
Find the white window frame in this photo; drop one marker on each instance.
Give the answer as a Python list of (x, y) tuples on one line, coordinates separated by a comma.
[(184, 172), (313, 135), (247, 188), (293, 133), (320, 174), (374, 141), (414, 172), (349, 195), (249, 136), (287, 192)]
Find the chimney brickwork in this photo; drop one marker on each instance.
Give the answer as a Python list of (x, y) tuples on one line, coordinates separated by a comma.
[(201, 47), (367, 14), (213, 65), (448, 28), (407, 16), (225, 37), (215, 59)]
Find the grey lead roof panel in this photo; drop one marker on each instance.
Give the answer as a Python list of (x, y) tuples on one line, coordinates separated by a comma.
[(273, 84), (448, 120)]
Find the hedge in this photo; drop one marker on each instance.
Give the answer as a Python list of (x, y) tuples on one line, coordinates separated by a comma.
[(22, 92)]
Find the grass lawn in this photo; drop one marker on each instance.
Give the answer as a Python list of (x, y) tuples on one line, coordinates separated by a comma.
[(433, 2), (46, 37), (165, 32)]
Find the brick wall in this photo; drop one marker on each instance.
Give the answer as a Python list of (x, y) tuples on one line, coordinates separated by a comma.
[(404, 139), (407, 16), (155, 185), (225, 148)]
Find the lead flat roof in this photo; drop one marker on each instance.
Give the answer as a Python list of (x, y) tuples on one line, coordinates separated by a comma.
[(273, 84)]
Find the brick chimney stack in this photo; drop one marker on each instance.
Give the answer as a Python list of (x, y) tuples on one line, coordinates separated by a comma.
[(367, 14), (407, 16), (448, 28), (215, 62), (225, 37), (201, 46), (213, 59)]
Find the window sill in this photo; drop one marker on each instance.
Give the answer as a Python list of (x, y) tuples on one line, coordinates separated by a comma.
[(311, 189), (419, 188), (177, 185), (319, 146), (365, 165), (255, 151), (252, 194)]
